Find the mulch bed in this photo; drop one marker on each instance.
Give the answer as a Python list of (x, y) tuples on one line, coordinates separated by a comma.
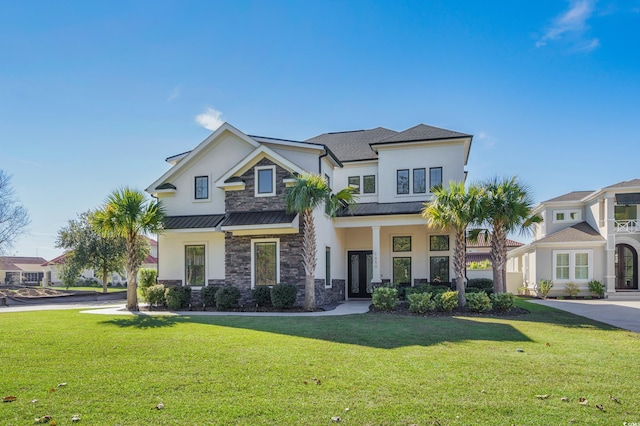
[(403, 309), (294, 309)]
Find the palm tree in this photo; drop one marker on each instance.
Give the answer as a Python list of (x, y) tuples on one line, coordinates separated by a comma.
[(127, 213), (506, 205), (308, 192), (454, 208)]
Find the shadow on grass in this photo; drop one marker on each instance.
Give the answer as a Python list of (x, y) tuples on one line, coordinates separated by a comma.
[(377, 331)]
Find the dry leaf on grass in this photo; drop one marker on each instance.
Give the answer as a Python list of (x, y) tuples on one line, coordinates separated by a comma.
[(9, 398), (614, 399), (599, 407), (565, 399), (546, 396), (75, 418), (159, 406), (335, 419)]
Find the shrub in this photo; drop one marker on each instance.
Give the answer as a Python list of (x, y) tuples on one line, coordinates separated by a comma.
[(155, 295), (283, 296), (178, 297), (261, 295), (478, 302), (544, 287), (208, 295), (227, 297), (146, 278), (484, 284), (421, 303), (385, 298), (469, 290), (447, 301), (437, 289), (503, 302), (596, 288), (571, 289)]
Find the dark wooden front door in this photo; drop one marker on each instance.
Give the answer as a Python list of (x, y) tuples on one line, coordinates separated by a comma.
[(626, 267), (360, 273)]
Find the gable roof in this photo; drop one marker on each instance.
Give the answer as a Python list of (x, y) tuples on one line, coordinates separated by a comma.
[(353, 145), (422, 132), (483, 241), (633, 183), (580, 232), (571, 196), (13, 263)]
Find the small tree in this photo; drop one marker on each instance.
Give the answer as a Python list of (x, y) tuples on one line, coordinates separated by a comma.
[(14, 218)]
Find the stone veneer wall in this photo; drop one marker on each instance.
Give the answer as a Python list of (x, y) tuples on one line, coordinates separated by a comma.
[(170, 283), (246, 201)]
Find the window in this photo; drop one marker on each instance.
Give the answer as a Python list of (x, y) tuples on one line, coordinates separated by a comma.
[(265, 262), (265, 181), (402, 181), (435, 178), (625, 212), (401, 244), (201, 187), (194, 262), (327, 266), (439, 268), (354, 182), (567, 215), (439, 243), (369, 184), (328, 180), (402, 270), (419, 181), (572, 265)]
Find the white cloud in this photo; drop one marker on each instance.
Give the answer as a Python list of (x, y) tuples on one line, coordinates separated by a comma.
[(175, 93), (210, 119), (572, 23)]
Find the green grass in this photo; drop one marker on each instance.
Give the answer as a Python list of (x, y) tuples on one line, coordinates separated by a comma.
[(97, 289), (388, 370)]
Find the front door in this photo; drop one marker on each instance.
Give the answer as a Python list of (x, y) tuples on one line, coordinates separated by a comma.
[(360, 273), (626, 267)]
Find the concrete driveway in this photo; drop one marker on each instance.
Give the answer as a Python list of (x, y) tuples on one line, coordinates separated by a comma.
[(622, 314)]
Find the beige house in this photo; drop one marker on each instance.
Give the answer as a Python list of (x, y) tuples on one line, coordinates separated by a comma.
[(585, 235), (21, 270), (227, 221)]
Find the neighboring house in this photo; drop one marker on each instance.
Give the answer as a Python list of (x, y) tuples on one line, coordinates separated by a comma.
[(585, 235), (479, 251), (227, 222), (53, 275), (21, 270)]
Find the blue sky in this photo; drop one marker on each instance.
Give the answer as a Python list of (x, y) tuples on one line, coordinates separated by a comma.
[(95, 95)]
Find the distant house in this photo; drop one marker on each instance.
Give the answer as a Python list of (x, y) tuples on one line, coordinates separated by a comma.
[(480, 250), (227, 222), (585, 235), (21, 270), (52, 267)]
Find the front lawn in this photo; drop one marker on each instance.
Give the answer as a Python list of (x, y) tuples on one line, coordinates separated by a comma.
[(366, 369)]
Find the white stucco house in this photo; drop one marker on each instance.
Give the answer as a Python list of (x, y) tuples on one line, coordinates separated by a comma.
[(227, 222), (585, 235)]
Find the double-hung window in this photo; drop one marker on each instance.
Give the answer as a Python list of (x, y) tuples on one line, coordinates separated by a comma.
[(569, 265)]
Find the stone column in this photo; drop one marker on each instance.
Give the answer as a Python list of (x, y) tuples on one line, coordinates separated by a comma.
[(375, 243)]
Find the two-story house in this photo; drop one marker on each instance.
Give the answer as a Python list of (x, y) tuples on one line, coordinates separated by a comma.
[(227, 222), (585, 235)]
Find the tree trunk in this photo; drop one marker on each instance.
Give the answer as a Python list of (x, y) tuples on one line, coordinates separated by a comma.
[(309, 260), (459, 263), (132, 274), (499, 258), (104, 280)]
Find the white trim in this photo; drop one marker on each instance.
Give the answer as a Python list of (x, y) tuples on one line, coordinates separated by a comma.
[(253, 264), (328, 282), (256, 180), (572, 266), (566, 215)]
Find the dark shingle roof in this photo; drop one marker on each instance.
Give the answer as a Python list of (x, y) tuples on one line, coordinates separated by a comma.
[(571, 196), (422, 132), (377, 209), (193, 222), (258, 218), (166, 185), (579, 232), (483, 241), (353, 145)]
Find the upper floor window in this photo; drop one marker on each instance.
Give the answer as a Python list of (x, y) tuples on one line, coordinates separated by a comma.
[(265, 181), (625, 212), (402, 181), (419, 181), (435, 178), (567, 215), (354, 182), (201, 187), (369, 184), (328, 180), (439, 243)]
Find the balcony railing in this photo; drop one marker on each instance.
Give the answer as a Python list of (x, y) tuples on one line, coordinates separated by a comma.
[(627, 226)]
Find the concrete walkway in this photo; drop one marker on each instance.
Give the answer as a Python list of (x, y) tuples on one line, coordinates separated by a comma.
[(622, 314), (345, 308)]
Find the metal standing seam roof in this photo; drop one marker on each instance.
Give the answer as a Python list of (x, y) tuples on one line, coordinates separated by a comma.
[(273, 217), (193, 222), (378, 209), (580, 232)]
